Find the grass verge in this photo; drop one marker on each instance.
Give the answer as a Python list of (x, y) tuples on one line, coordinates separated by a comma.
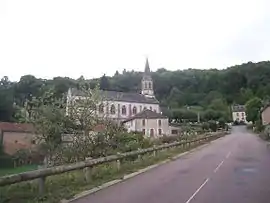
[(65, 186), (9, 171)]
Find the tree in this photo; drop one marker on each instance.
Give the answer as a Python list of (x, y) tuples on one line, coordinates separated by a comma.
[(253, 107), (104, 83)]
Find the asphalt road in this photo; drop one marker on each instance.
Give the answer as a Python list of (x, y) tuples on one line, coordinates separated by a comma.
[(233, 169)]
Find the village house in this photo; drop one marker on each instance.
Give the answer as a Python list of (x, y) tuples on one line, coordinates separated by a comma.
[(239, 113), (131, 107), (265, 115), (16, 136)]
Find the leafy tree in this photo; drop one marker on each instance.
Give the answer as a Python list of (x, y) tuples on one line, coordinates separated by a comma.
[(253, 107), (104, 83)]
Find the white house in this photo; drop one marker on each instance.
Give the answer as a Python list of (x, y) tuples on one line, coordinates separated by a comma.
[(239, 113), (150, 123)]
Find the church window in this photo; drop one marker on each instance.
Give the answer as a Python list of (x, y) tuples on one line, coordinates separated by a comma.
[(124, 110), (134, 110), (112, 109), (101, 108), (150, 85), (143, 122)]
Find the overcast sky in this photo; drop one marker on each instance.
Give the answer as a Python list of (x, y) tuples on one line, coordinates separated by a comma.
[(49, 38)]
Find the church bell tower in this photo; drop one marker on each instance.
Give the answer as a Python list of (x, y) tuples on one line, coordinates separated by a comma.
[(147, 82)]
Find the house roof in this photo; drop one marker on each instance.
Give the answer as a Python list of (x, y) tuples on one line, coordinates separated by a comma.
[(146, 114), (16, 127), (121, 96), (238, 108)]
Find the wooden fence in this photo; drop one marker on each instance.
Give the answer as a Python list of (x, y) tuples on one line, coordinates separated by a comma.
[(42, 173)]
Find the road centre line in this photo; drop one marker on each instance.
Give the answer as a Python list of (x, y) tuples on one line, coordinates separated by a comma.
[(228, 155), (198, 190), (216, 169)]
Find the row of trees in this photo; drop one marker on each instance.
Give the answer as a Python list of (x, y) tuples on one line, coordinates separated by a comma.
[(210, 89)]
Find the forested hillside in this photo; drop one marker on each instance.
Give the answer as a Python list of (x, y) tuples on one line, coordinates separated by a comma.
[(206, 89)]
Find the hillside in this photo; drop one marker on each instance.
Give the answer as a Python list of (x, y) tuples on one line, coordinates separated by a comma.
[(175, 89)]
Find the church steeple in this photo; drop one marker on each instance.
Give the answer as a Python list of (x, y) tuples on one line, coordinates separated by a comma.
[(147, 68), (147, 82)]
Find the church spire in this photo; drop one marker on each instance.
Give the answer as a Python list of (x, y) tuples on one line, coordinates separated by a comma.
[(147, 82), (147, 68)]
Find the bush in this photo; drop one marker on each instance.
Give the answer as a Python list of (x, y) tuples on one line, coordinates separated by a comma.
[(266, 133), (213, 126)]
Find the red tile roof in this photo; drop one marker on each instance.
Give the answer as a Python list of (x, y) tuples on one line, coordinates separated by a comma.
[(16, 127)]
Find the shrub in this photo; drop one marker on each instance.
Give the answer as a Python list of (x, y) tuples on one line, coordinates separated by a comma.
[(213, 126)]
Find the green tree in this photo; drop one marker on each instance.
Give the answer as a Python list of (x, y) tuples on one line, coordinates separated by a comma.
[(253, 107)]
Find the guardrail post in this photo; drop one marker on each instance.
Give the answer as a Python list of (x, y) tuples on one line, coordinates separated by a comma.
[(118, 163), (155, 151), (87, 172), (41, 182), (139, 155)]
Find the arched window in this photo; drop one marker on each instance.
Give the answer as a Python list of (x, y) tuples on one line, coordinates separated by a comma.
[(150, 85), (124, 110), (101, 108), (112, 109), (134, 110)]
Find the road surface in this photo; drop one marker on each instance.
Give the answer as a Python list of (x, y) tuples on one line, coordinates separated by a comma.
[(233, 169)]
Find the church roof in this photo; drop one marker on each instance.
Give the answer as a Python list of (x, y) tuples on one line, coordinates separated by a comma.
[(146, 114), (121, 96)]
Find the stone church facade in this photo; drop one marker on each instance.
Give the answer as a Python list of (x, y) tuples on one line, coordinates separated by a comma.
[(124, 107)]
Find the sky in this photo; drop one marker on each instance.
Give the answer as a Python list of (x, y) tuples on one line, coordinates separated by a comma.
[(49, 38)]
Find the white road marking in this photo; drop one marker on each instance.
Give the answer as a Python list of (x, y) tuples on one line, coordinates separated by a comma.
[(218, 166), (228, 155), (198, 190)]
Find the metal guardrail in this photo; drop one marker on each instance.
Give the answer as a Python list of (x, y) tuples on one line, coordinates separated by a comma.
[(41, 174)]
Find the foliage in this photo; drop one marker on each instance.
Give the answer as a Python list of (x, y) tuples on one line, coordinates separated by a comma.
[(213, 125), (253, 107), (175, 89)]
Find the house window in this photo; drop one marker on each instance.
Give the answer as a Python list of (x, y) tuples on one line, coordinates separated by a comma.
[(112, 109), (160, 131), (143, 131), (134, 110), (243, 114), (144, 108), (101, 108), (159, 123), (237, 114), (33, 141), (124, 110), (150, 85), (140, 108), (152, 132), (155, 110), (151, 108), (143, 122)]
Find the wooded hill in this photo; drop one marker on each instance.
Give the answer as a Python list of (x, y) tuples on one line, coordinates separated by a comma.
[(209, 89)]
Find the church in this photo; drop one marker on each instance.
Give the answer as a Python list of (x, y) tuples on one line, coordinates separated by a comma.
[(136, 111)]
